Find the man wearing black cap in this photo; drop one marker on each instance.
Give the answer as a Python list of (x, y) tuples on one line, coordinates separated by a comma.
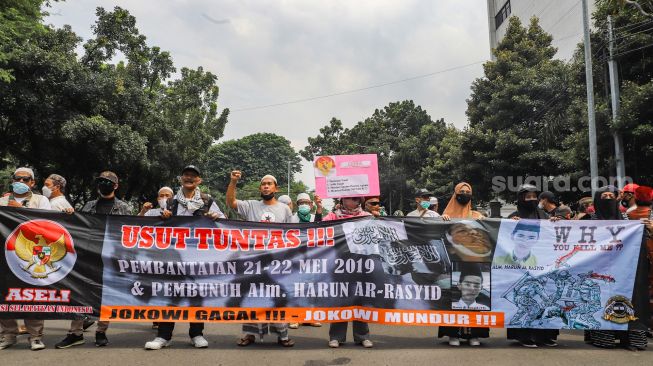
[(188, 201), (422, 199), (106, 185), (107, 203)]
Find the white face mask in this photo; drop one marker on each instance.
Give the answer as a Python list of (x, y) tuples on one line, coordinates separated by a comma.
[(47, 192), (163, 203)]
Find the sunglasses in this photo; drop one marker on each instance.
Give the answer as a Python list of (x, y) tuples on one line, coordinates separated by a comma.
[(374, 203), (104, 182), (25, 179)]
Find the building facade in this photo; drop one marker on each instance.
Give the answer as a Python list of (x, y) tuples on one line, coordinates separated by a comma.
[(563, 19)]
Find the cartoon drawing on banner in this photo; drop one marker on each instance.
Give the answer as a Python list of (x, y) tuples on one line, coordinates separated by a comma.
[(574, 299)]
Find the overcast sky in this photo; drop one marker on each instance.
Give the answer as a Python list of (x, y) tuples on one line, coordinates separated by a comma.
[(270, 52)]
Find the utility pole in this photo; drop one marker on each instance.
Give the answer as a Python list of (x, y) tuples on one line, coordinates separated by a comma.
[(288, 178), (594, 168), (614, 96)]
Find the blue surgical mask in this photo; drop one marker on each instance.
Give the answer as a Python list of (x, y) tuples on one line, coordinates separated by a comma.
[(425, 204), (19, 187), (304, 209)]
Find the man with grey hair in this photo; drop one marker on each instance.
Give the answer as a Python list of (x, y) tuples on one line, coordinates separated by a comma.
[(54, 188), (22, 196)]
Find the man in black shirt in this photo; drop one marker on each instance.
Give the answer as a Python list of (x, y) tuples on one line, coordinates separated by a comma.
[(106, 204)]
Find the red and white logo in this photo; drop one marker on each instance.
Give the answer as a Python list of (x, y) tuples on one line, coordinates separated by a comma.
[(40, 252)]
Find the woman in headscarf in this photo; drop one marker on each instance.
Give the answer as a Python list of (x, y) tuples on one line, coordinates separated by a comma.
[(460, 204), (527, 208), (349, 207), (607, 208), (460, 207)]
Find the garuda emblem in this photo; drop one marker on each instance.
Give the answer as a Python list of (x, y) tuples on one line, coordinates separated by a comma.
[(40, 252), (41, 257)]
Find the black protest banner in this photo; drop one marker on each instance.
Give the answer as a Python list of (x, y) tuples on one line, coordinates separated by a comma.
[(403, 271)]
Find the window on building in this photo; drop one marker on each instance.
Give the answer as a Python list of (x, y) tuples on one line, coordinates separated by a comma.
[(502, 15)]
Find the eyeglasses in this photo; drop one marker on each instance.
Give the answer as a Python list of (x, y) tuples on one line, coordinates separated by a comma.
[(373, 203), (25, 179)]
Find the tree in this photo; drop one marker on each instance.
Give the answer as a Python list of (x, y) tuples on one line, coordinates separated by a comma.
[(633, 34), (516, 113), (20, 20), (78, 116), (255, 155)]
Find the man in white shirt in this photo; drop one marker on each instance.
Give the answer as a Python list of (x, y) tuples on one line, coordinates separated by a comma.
[(470, 285), (54, 188), (165, 194), (422, 199), (22, 196), (304, 208)]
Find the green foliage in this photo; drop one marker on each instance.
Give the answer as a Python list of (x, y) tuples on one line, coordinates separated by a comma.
[(634, 57), (516, 113), (255, 155), (77, 116)]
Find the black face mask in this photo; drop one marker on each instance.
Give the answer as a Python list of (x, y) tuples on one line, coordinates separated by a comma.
[(104, 189), (463, 199), (607, 209), (530, 205), (267, 197)]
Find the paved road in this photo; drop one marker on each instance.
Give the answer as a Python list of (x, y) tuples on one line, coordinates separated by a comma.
[(393, 346)]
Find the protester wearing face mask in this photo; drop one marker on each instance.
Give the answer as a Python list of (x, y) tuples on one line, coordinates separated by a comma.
[(548, 202), (460, 207), (305, 207), (304, 215), (349, 207), (460, 204), (626, 198), (528, 204), (527, 208), (607, 208), (106, 185), (22, 196), (53, 188), (268, 209), (164, 194), (422, 197), (107, 203), (189, 201)]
